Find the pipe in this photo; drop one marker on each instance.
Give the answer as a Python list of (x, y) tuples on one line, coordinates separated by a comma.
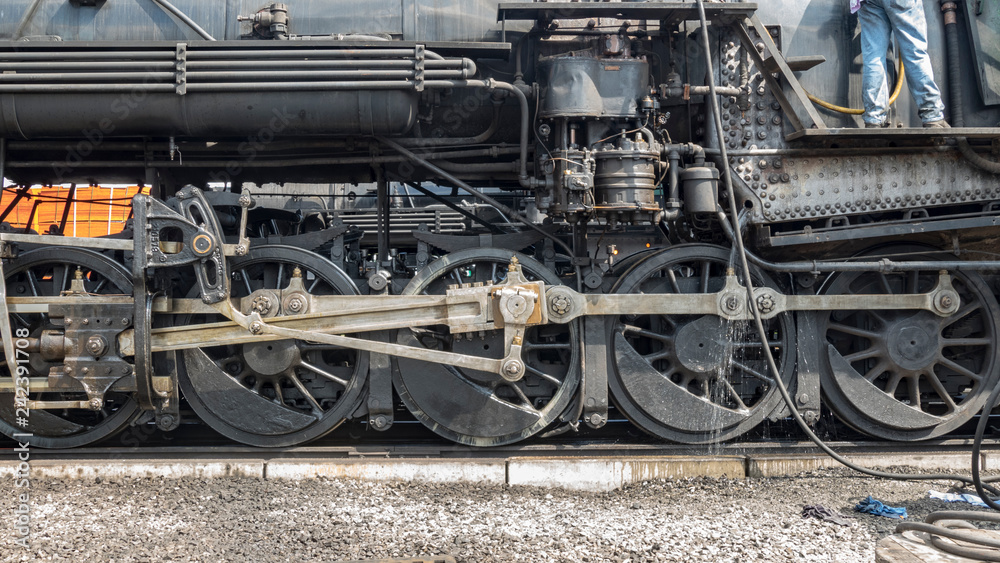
[(170, 8), (3, 162), (476, 193), (257, 163), (949, 7), (446, 141)]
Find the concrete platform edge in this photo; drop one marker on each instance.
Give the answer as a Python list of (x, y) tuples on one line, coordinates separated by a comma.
[(584, 474)]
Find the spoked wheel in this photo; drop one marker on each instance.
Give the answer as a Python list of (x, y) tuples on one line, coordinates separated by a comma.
[(478, 408), (906, 375), (46, 272), (695, 378), (279, 393)]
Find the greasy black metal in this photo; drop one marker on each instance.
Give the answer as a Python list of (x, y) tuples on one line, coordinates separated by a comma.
[(883, 265), (382, 210), (143, 304), (481, 409), (578, 86), (307, 241), (490, 226), (95, 372), (596, 360), (239, 412), (810, 350), (75, 427), (909, 376), (510, 213), (69, 205), (200, 238), (453, 243), (884, 230), (380, 400), (982, 18), (664, 372)]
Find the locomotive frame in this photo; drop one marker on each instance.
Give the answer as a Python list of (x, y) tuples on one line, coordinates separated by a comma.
[(276, 339)]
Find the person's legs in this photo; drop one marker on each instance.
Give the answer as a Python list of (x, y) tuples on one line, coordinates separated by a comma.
[(875, 30), (910, 26)]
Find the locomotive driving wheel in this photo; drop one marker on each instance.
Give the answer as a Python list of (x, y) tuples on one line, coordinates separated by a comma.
[(278, 393), (910, 375), (478, 408), (47, 272), (695, 378)]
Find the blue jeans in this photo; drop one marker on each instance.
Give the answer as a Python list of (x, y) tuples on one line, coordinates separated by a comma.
[(906, 19)]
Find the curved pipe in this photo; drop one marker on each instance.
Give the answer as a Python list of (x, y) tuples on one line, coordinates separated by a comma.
[(170, 8), (446, 141)]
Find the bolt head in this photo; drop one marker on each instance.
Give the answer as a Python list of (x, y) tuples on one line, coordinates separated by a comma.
[(95, 404), (256, 328)]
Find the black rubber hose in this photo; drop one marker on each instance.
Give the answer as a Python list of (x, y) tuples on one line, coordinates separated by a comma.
[(977, 445), (742, 255), (957, 108), (949, 7)]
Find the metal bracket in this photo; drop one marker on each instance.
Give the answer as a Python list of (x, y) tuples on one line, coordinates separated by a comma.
[(595, 371), (201, 241), (380, 415), (91, 357), (180, 67)]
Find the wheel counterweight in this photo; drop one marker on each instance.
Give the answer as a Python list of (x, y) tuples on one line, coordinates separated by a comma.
[(279, 393), (478, 408), (47, 272), (688, 378), (905, 375)]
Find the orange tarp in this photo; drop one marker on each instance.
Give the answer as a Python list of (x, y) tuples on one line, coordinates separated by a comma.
[(96, 211)]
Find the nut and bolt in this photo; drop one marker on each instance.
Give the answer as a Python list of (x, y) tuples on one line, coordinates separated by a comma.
[(560, 305), (765, 303), (380, 422), (295, 304), (256, 328), (261, 304), (732, 304), (513, 370), (97, 345), (95, 404)]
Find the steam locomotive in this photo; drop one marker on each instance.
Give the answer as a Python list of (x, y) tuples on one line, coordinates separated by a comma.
[(502, 217)]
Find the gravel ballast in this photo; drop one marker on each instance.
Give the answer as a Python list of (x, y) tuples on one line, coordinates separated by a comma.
[(701, 519)]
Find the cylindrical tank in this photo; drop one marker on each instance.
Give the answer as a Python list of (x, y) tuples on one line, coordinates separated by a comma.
[(207, 115), (132, 20)]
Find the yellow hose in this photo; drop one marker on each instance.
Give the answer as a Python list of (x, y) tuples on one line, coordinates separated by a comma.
[(851, 111)]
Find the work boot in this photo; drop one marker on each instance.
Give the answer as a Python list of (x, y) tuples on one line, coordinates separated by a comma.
[(939, 124)]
